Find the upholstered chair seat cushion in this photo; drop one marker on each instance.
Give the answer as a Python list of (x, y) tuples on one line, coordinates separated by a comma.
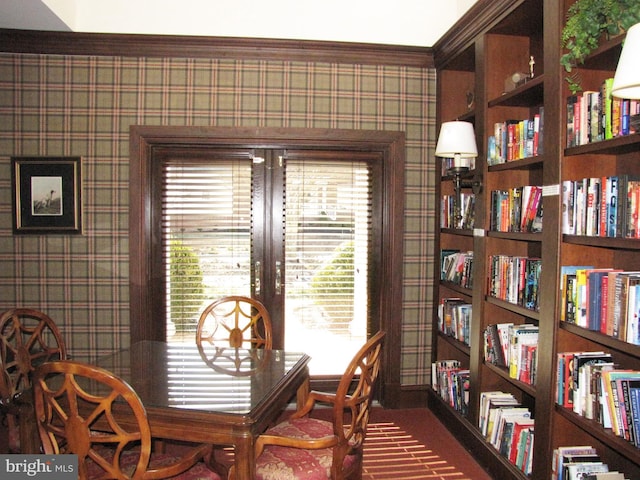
[(129, 460), (285, 463)]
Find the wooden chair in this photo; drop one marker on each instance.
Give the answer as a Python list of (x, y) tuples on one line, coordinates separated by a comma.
[(86, 410), (237, 322), (28, 338), (324, 449)]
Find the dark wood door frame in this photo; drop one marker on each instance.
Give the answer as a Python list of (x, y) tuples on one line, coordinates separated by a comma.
[(144, 140)]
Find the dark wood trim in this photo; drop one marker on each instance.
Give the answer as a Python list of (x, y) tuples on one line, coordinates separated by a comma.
[(388, 306), (130, 45), (465, 31)]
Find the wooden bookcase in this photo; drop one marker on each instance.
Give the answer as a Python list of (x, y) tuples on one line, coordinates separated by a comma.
[(495, 39)]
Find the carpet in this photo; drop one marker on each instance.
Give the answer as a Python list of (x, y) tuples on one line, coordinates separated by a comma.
[(391, 453)]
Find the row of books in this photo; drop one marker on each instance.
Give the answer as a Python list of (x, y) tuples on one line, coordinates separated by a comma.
[(516, 139), (514, 279), (454, 319), (601, 206), (590, 384), (467, 209), (604, 300), (514, 347), (457, 267), (509, 427), (451, 382), (518, 209), (580, 462), (595, 115)]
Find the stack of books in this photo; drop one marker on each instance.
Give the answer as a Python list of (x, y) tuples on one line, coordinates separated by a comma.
[(514, 347), (516, 139), (514, 279), (604, 300), (518, 209), (580, 463), (509, 427), (601, 206), (451, 383), (590, 384), (596, 115), (456, 267), (454, 318)]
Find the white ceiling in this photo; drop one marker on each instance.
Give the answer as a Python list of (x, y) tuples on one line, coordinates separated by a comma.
[(394, 22)]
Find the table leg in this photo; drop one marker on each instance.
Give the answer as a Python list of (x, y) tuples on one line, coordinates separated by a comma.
[(303, 393), (244, 462)]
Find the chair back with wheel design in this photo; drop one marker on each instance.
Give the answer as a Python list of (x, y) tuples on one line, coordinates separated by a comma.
[(303, 447), (28, 338), (235, 321), (88, 411)]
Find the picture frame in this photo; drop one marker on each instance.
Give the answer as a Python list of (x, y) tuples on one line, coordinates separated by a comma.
[(47, 195)]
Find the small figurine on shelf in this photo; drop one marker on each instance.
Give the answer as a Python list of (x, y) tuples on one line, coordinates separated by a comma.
[(532, 62)]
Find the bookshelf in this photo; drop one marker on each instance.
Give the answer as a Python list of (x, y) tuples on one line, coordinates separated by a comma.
[(491, 42)]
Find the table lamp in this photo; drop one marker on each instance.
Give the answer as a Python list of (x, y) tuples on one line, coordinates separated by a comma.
[(626, 82), (457, 140)]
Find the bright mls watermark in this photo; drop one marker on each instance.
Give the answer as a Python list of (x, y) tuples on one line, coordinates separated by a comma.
[(50, 467)]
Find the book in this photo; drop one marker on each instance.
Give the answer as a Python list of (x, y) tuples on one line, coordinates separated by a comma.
[(568, 220), (611, 202)]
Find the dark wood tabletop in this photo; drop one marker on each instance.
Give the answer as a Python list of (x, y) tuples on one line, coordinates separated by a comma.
[(224, 397)]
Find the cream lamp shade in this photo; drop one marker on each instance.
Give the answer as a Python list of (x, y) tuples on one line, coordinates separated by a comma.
[(626, 82), (457, 140)]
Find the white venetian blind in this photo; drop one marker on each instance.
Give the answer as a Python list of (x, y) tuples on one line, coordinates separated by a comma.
[(327, 243), (206, 238)]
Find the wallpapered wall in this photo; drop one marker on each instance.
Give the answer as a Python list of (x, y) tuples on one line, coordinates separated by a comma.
[(83, 106)]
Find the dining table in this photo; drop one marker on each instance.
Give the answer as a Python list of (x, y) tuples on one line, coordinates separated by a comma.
[(212, 395)]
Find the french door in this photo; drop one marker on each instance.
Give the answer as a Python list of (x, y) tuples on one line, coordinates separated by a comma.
[(335, 267), (291, 228)]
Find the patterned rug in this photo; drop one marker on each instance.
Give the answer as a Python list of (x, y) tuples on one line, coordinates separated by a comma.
[(391, 453)]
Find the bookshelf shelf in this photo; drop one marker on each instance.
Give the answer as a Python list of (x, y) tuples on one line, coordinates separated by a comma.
[(504, 374), (523, 163), (603, 242), (615, 146), (530, 93), (601, 339), (458, 231), (524, 312), (455, 343), (605, 435), (517, 236), (495, 39)]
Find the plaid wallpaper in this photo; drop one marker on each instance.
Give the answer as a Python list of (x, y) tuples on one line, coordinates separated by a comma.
[(83, 106)]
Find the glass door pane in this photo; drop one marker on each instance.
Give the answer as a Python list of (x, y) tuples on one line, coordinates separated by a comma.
[(206, 223), (327, 234)]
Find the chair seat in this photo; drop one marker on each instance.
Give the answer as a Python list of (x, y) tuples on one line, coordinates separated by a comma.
[(285, 463), (129, 460)]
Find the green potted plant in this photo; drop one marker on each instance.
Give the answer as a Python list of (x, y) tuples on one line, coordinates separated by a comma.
[(588, 23)]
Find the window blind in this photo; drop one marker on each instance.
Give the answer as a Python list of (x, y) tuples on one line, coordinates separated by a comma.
[(206, 220)]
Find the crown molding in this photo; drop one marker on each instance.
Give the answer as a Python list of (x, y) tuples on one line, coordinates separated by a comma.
[(479, 18), (130, 45)]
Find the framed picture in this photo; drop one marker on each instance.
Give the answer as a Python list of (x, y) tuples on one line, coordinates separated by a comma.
[(47, 194)]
